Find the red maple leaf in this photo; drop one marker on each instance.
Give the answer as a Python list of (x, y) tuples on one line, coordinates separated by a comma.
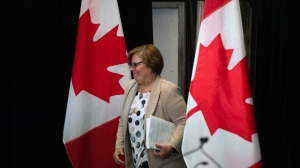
[(93, 58), (221, 93)]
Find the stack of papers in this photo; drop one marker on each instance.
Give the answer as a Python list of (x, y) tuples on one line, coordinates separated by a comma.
[(158, 131)]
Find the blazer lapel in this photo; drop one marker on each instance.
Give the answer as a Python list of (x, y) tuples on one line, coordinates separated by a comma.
[(130, 96), (154, 96)]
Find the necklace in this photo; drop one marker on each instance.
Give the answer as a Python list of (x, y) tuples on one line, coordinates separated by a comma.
[(147, 85)]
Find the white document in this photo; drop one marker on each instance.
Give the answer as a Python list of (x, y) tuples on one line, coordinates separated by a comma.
[(158, 131)]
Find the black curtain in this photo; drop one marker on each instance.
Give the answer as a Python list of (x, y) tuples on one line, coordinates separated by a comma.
[(191, 41), (270, 50), (43, 37), (136, 19)]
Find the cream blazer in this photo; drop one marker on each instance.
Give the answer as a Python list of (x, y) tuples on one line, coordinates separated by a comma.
[(166, 102)]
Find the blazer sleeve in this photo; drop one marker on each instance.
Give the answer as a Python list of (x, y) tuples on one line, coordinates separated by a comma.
[(175, 108)]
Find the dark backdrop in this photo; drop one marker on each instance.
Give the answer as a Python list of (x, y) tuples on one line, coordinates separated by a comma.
[(43, 37)]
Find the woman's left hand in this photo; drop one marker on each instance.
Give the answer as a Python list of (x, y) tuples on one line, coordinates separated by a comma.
[(164, 151)]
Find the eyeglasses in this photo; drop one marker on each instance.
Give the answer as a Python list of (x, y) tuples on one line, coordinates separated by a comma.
[(134, 64)]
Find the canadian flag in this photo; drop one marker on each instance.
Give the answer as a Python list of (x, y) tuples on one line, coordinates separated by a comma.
[(220, 128), (100, 73)]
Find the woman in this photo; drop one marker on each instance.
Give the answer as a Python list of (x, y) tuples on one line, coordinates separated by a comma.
[(145, 95)]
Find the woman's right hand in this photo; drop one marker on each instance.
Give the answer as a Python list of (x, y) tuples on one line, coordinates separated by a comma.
[(119, 152)]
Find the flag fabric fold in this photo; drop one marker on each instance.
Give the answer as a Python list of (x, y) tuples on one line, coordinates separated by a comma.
[(220, 128), (100, 73)]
